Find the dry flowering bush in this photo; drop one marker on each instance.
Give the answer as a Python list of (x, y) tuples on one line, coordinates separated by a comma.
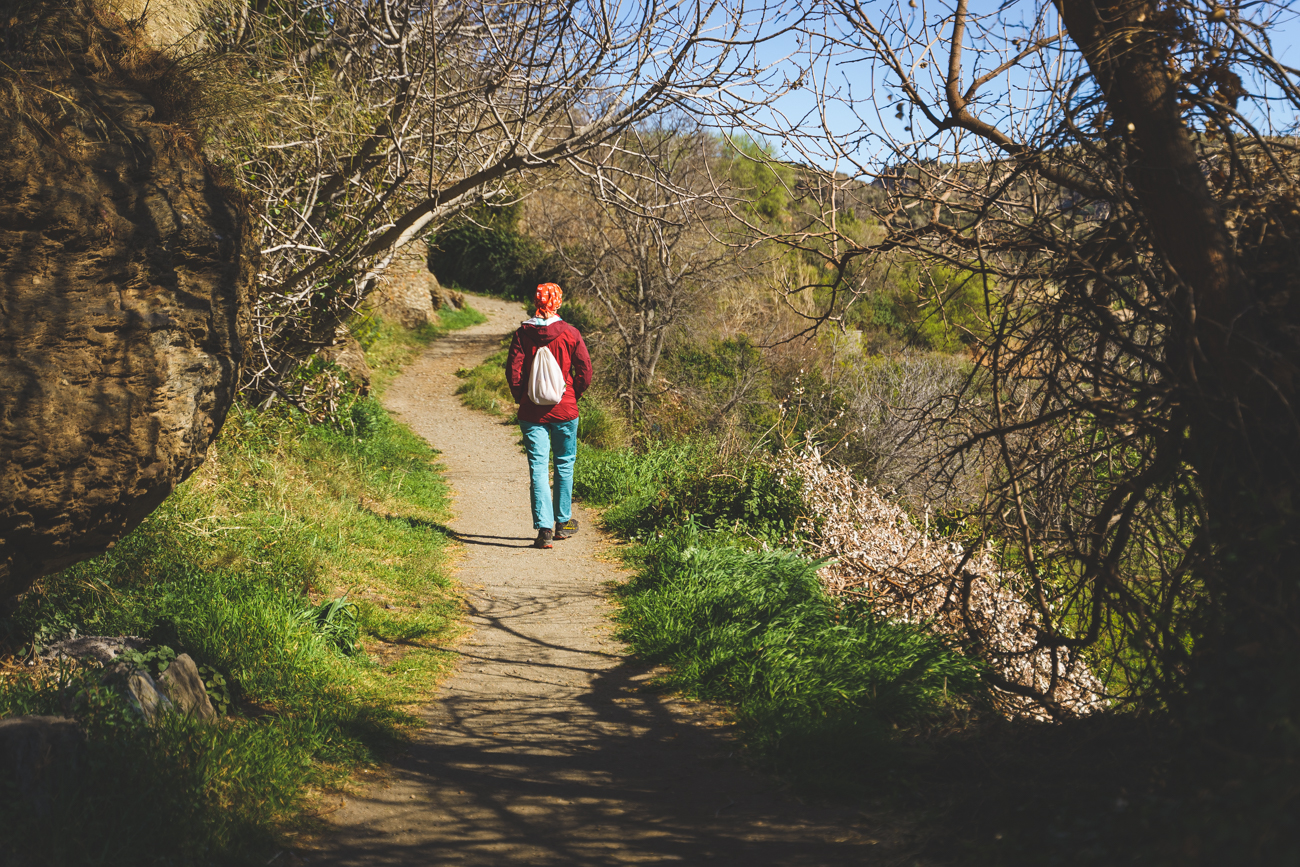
[(912, 573)]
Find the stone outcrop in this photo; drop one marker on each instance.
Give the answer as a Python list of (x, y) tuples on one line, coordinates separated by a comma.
[(181, 683), (125, 268), (405, 291), (179, 687), (104, 649), (148, 700), (444, 297), (408, 292)]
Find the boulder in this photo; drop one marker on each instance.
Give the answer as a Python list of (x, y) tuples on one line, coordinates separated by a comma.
[(101, 648), (444, 297), (126, 263), (146, 697), (181, 683), (405, 292), (33, 749)]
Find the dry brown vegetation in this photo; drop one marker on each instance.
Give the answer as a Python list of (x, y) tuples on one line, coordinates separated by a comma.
[(878, 552)]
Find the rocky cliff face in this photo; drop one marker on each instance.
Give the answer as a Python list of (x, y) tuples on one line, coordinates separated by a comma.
[(407, 290), (125, 268)]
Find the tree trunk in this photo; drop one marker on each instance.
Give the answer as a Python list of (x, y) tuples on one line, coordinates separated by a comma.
[(1234, 365)]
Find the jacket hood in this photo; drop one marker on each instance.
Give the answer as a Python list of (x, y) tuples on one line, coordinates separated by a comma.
[(544, 334)]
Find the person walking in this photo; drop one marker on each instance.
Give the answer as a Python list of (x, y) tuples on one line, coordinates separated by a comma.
[(549, 428)]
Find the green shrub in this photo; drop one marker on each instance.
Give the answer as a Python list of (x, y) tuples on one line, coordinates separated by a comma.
[(817, 684), (600, 424), (487, 254), (581, 316), (336, 621), (721, 381), (938, 310), (674, 483), (760, 179)]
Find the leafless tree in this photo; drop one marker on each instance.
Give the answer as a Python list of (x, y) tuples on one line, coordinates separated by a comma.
[(1122, 178), (634, 235), (889, 401), (382, 118)]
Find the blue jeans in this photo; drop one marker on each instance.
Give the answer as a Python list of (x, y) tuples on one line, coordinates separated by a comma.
[(541, 440)]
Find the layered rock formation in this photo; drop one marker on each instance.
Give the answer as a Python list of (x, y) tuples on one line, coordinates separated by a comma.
[(125, 268), (408, 292)]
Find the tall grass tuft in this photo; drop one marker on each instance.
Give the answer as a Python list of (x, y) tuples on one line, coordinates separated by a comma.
[(484, 387), (818, 685)]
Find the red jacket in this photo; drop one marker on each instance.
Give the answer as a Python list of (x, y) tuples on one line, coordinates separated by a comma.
[(565, 343)]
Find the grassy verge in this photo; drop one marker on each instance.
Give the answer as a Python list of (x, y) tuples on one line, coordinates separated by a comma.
[(304, 569), (390, 347), (840, 701), (818, 686), (484, 387)]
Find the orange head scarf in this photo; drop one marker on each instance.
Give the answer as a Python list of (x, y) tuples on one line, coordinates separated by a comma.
[(549, 298)]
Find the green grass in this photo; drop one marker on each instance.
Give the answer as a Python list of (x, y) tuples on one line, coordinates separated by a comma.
[(390, 347), (818, 685), (234, 568), (600, 425), (484, 387), (670, 484)]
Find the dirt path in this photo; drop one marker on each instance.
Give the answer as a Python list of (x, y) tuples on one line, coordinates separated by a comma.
[(541, 750)]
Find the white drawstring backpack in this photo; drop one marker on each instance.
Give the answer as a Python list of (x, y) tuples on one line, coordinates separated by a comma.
[(546, 380)]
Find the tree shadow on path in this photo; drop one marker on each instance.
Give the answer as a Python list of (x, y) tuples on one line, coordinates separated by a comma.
[(553, 756), (467, 538)]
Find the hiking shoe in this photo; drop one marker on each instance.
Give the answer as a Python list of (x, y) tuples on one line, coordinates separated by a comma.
[(569, 527), (544, 537)]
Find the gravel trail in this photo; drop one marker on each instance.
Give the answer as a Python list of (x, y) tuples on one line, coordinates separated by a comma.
[(542, 749)]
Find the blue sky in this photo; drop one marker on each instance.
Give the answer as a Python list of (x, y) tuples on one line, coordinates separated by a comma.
[(857, 82)]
